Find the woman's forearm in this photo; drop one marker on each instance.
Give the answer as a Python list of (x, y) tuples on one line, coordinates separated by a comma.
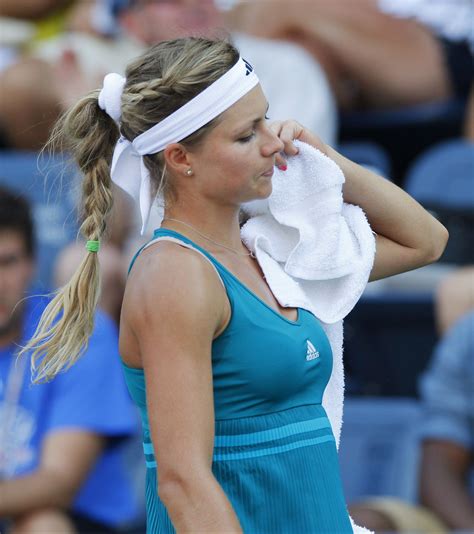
[(199, 506), (392, 213)]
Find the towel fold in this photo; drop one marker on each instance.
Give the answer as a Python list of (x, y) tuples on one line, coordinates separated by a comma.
[(315, 251)]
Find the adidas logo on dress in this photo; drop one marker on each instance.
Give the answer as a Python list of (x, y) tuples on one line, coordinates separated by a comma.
[(311, 352)]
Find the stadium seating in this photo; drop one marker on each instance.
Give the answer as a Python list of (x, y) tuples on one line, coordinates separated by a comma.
[(442, 180), (388, 341), (405, 132), (369, 155)]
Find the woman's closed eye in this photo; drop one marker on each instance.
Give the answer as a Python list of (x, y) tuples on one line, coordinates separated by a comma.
[(248, 138)]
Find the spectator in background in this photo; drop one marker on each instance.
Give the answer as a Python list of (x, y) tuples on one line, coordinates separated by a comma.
[(454, 297), (376, 53), (51, 51), (51, 17), (447, 392), (61, 443), (37, 11), (447, 396)]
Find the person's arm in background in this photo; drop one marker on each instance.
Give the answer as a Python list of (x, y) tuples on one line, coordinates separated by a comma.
[(443, 486), (408, 237), (353, 41), (454, 297), (87, 406), (30, 9), (447, 394), (469, 120), (67, 457)]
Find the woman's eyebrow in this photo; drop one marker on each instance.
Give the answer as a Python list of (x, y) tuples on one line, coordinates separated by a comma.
[(254, 121)]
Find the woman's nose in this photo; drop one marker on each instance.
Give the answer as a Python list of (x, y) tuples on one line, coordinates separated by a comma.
[(273, 144)]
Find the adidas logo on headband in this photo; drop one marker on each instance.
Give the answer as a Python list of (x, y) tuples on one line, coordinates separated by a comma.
[(248, 67)]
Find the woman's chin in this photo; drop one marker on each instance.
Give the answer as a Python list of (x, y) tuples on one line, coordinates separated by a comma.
[(260, 192), (265, 189)]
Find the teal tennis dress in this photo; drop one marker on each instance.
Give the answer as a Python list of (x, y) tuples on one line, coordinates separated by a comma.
[(274, 451)]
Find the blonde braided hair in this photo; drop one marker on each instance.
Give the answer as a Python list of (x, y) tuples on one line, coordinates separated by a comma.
[(160, 81)]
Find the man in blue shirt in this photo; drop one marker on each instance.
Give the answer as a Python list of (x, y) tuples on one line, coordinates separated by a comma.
[(61, 443), (447, 392)]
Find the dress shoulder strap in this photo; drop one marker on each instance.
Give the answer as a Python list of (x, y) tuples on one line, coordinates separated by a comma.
[(181, 243)]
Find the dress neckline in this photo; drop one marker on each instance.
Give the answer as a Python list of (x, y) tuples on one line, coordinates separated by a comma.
[(296, 322)]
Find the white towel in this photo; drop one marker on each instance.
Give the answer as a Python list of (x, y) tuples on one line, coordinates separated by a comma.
[(315, 252)]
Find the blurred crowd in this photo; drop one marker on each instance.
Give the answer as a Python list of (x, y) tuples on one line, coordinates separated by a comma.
[(388, 82)]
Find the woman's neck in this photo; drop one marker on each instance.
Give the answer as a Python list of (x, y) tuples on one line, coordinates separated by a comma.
[(220, 227)]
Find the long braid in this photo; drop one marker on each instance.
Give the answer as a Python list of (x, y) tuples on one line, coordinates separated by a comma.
[(159, 82), (67, 323)]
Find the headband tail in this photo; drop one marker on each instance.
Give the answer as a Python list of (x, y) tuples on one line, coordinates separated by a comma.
[(126, 164), (145, 195)]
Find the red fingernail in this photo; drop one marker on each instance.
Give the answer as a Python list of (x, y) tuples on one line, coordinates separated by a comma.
[(282, 167)]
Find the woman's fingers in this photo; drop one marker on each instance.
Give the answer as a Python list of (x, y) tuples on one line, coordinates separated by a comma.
[(280, 160), (288, 131), (275, 127)]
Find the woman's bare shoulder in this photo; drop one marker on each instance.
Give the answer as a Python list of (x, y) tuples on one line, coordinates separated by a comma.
[(172, 276)]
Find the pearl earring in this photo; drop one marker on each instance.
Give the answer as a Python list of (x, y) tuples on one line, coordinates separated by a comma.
[(189, 172)]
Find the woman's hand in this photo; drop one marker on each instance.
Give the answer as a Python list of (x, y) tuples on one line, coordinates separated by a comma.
[(290, 130)]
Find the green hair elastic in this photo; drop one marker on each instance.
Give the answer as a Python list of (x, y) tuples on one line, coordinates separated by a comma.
[(93, 246)]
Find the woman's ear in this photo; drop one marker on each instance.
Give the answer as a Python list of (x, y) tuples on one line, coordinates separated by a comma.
[(177, 159)]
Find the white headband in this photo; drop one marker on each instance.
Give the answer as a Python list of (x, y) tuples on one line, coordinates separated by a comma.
[(127, 161)]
